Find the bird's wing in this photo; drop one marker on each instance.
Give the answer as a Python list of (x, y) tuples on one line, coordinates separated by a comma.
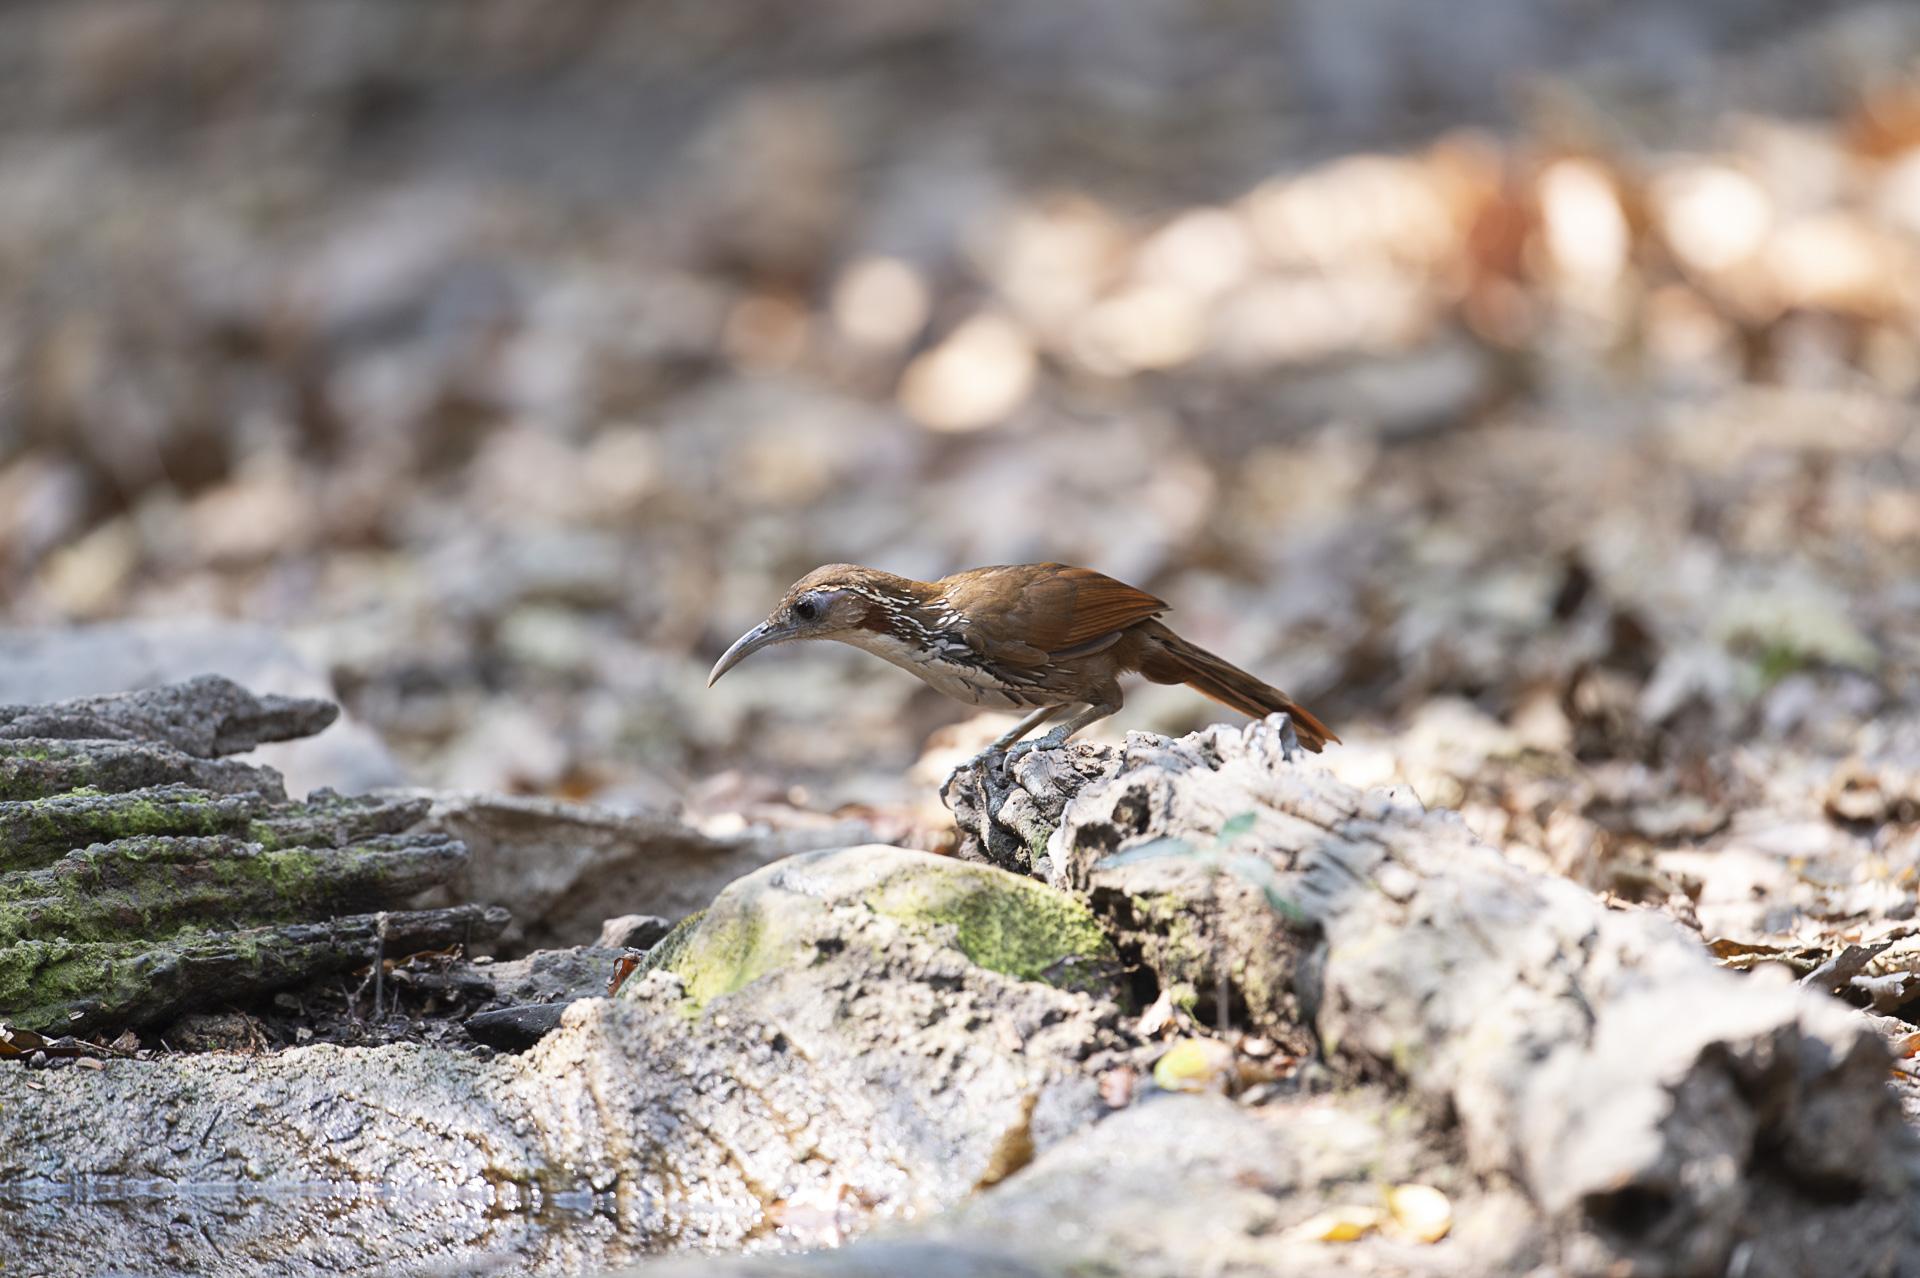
[(1029, 614)]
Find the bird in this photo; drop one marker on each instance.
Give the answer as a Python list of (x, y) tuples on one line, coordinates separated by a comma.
[(1035, 637)]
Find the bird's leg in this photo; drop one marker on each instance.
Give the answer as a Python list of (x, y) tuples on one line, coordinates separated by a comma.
[(1094, 713), (1021, 729), (1000, 743)]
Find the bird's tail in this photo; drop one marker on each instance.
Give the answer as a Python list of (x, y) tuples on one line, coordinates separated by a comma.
[(1171, 659)]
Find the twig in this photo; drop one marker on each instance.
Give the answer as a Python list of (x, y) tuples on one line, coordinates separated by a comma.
[(379, 966), (1220, 978)]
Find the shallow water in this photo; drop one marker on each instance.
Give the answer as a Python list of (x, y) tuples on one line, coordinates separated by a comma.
[(135, 1229)]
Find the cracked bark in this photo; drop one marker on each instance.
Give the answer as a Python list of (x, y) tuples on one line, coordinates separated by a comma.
[(142, 875)]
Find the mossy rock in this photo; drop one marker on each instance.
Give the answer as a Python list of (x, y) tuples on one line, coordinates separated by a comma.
[(794, 912)]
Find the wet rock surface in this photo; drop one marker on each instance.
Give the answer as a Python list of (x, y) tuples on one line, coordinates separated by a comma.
[(865, 1058), (1178, 1185)]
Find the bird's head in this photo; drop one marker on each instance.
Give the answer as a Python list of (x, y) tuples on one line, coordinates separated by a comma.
[(831, 602)]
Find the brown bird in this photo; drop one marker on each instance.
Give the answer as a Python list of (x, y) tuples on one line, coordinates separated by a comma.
[(1038, 637)]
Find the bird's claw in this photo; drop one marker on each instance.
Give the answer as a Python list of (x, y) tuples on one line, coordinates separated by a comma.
[(997, 760), (977, 766)]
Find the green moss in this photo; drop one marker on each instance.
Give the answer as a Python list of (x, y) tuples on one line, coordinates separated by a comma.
[(795, 912), (1778, 660), (329, 820), (34, 771), (672, 945), (154, 886), (36, 831), (1003, 922), (669, 952), (62, 986), (1181, 950), (82, 987), (44, 984), (728, 953), (44, 769)]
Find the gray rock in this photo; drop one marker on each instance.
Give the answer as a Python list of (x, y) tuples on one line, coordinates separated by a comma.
[(798, 912), (1006, 821), (881, 1258), (868, 1036), (546, 976), (1181, 1185), (208, 881), (514, 1029), (632, 932), (562, 866), (37, 768)]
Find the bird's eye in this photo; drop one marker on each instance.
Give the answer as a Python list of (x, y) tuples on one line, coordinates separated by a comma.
[(807, 608)]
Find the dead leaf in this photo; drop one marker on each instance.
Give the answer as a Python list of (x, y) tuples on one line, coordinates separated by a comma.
[(1833, 975), (622, 969), (1116, 1087), (1158, 1016)]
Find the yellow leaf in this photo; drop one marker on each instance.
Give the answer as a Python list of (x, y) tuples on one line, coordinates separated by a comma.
[(1420, 1212), (1194, 1065)]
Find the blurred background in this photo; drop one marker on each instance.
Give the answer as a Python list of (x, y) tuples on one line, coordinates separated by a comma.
[(1526, 385)]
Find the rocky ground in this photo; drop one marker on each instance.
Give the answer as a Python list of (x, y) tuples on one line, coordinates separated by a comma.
[(1210, 1007)]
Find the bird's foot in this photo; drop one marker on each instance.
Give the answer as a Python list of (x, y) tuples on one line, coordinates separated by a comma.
[(1020, 749), (998, 759), (983, 767), (977, 766)]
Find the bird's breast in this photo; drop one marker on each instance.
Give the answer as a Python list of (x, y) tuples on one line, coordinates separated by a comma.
[(951, 668)]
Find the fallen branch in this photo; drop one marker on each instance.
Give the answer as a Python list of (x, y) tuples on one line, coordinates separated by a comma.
[(1660, 1110)]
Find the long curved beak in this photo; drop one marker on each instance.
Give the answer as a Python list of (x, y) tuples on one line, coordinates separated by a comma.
[(746, 645)]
